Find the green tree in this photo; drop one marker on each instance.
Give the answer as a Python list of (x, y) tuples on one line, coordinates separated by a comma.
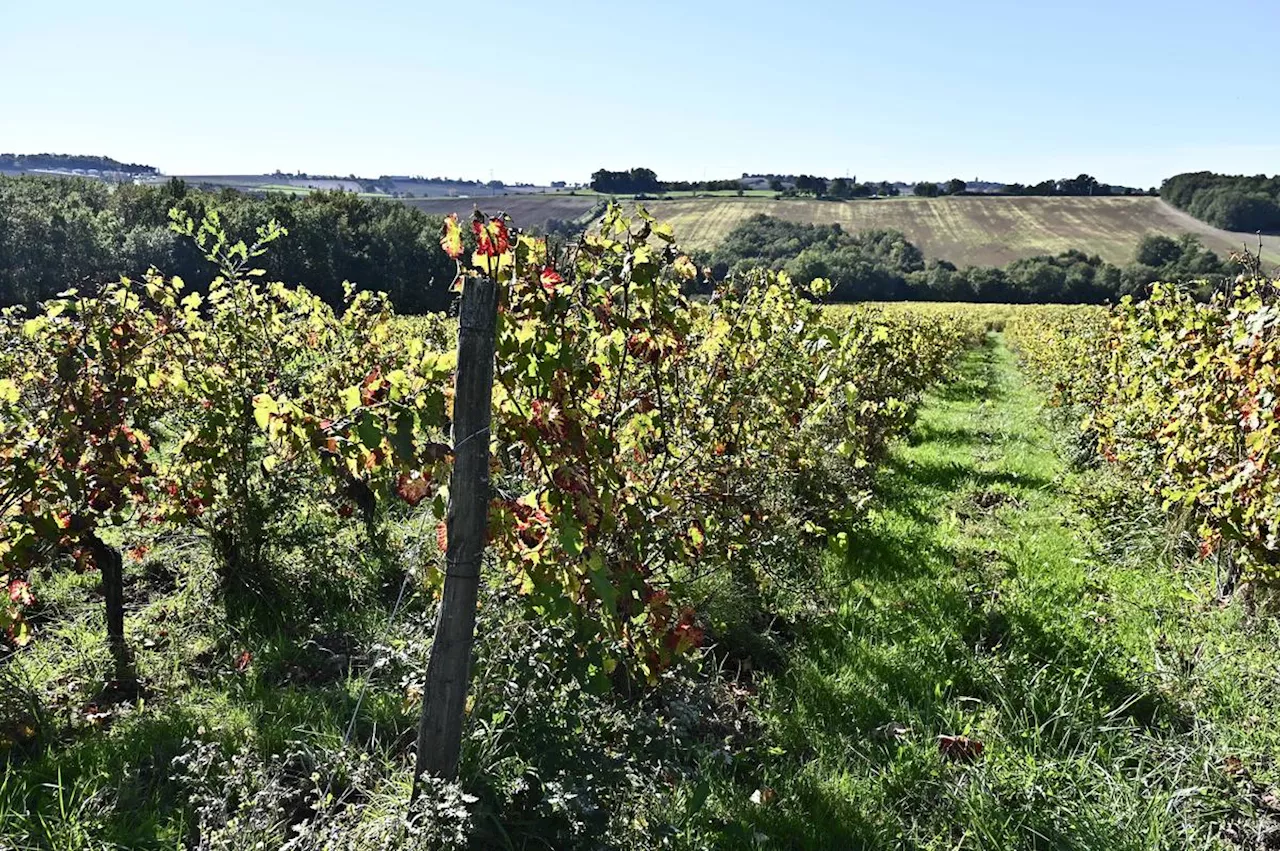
[(1158, 250)]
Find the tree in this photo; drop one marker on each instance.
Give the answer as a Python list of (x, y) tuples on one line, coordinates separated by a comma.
[(955, 186), (1158, 250), (809, 183), (927, 190), (57, 233), (1083, 185), (635, 181)]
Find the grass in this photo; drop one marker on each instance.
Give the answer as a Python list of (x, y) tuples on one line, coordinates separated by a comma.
[(1115, 707), (993, 592), (89, 772)]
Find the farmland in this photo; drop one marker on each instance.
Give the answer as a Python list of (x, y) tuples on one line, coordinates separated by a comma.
[(978, 231), (532, 209), (966, 230)]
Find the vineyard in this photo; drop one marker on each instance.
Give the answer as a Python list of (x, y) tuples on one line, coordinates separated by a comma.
[(1183, 395), (593, 561)]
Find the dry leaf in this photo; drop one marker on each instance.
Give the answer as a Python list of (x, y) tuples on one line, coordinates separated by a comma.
[(960, 748)]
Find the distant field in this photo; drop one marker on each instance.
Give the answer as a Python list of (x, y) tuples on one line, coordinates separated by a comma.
[(409, 187), (523, 209), (970, 230), (980, 231), (270, 182)]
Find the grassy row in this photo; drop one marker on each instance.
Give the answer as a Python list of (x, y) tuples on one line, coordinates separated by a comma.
[(996, 594)]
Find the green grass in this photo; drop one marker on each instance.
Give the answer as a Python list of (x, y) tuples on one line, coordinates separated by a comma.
[(90, 772), (993, 591), (981, 599)]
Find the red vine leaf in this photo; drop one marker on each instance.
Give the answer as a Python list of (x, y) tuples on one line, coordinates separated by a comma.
[(413, 487), (550, 279), (20, 592), (960, 748)]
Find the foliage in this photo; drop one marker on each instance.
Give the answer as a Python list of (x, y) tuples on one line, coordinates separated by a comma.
[(87, 379), (1231, 202), (286, 801), (1084, 184), (637, 429), (642, 442), (1182, 393), (72, 162), (624, 435), (143, 405), (61, 232), (638, 181), (345, 397), (884, 265), (871, 265), (625, 182)]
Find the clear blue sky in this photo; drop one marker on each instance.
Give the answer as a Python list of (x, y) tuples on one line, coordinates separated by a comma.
[(1130, 91)]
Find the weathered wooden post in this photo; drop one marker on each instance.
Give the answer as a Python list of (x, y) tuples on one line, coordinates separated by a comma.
[(444, 696)]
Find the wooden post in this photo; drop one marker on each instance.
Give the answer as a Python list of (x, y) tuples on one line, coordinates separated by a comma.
[(444, 696)]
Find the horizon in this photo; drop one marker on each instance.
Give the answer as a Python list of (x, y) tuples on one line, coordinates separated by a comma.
[(340, 175), (927, 92)]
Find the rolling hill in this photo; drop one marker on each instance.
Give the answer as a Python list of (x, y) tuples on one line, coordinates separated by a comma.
[(979, 231), (967, 230), (524, 209)]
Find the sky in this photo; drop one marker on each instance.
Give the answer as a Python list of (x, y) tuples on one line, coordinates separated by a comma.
[(1130, 91)]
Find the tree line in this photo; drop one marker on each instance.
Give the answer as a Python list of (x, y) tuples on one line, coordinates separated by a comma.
[(72, 161), (57, 233), (639, 181), (883, 265), (1231, 202), (1082, 185)]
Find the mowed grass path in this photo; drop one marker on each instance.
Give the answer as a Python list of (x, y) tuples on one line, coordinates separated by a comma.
[(1116, 706)]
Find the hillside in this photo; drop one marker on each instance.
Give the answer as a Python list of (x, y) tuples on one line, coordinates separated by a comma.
[(979, 231), (524, 209), (379, 187), (990, 231), (85, 164)]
